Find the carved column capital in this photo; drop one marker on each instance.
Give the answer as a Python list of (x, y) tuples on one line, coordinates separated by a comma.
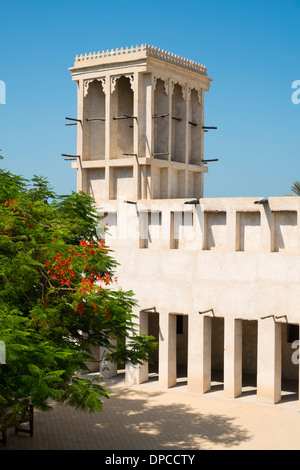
[(184, 90), (86, 85), (103, 82)]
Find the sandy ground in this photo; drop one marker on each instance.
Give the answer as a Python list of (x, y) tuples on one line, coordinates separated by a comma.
[(146, 417)]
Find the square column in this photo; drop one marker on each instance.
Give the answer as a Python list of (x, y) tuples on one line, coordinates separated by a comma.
[(137, 374), (232, 358), (269, 361), (167, 350), (80, 92), (199, 354), (232, 234), (136, 138)]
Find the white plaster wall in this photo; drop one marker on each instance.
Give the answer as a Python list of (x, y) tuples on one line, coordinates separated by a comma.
[(249, 231), (286, 231), (234, 285), (237, 284), (96, 183)]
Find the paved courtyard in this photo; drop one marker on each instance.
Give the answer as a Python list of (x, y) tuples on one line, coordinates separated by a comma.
[(145, 417)]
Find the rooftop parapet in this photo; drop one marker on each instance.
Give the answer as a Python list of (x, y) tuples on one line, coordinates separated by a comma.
[(136, 53)]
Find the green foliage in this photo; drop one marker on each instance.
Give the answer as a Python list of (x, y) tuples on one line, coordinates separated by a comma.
[(58, 298), (296, 188)]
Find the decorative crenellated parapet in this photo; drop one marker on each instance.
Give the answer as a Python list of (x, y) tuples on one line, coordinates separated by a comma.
[(175, 59), (89, 57), (143, 51)]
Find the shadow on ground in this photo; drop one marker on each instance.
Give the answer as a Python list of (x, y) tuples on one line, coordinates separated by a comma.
[(132, 420)]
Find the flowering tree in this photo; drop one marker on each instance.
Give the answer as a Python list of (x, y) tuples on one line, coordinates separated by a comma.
[(58, 298)]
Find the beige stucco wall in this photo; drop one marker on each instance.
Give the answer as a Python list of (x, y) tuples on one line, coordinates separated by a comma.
[(200, 275), (239, 259)]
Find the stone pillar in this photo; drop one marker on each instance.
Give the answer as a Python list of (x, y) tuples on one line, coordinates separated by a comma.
[(106, 89), (112, 111), (136, 168), (170, 95), (199, 226), (232, 357), (146, 112), (137, 374), (167, 350), (107, 124), (232, 229), (80, 92), (201, 99), (266, 240), (187, 132), (269, 361), (199, 354)]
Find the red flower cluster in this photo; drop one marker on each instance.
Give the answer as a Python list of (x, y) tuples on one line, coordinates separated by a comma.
[(107, 314), (80, 308), (90, 247), (61, 270), (88, 282), (10, 202)]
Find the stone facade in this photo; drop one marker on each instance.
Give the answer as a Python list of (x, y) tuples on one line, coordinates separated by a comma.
[(217, 280)]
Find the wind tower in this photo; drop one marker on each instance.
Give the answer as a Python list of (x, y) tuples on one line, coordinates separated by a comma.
[(140, 124), (140, 154)]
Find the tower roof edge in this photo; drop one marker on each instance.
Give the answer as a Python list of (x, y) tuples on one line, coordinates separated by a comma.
[(136, 53)]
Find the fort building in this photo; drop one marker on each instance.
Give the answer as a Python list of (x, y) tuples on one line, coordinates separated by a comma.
[(217, 280)]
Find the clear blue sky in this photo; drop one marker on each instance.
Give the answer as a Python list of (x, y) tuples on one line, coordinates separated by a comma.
[(251, 50)]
